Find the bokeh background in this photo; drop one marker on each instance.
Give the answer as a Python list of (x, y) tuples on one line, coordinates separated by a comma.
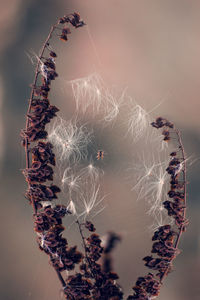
[(151, 47)]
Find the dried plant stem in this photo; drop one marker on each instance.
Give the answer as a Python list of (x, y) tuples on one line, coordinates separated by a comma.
[(61, 279), (44, 114), (167, 237), (184, 171), (85, 249), (32, 90), (27, 151), (185, 184)]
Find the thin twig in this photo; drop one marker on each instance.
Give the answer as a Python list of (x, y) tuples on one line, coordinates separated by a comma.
[(85, 249)]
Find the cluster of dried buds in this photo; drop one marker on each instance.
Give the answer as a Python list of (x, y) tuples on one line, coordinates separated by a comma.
[(73, 19), (176, 205), (159, 123), (166, 238), (94, 280)]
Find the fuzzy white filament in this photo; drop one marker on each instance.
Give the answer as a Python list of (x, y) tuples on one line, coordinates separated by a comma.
[(74, 179), (72, 208), (138, 121), (92, 94), (70, 140), (90, 201), (151, 184), (112, 105), (82, 188), (34, 58), (87, 93)]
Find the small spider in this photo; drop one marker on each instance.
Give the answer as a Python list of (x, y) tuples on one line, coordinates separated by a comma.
[(100, 154)]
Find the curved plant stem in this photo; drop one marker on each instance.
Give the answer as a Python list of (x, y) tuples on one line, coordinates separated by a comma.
[(27, 150), (184, 172)]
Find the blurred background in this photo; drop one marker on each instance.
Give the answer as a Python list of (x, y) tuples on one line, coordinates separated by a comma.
[(150, 47)]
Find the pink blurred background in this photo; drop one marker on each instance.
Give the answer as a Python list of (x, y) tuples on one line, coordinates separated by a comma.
[(151, 47)]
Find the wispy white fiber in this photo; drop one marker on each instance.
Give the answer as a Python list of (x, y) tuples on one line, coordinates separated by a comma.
[(138, 121), (70, 140)]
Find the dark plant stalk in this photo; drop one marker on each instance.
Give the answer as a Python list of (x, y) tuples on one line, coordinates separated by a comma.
[(32, 92), (182, 227), (167, 237), (27, 151), (85, 249), (74, 20)]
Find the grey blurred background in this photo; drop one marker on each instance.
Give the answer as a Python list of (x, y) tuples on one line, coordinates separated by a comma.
[(151, 47)]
